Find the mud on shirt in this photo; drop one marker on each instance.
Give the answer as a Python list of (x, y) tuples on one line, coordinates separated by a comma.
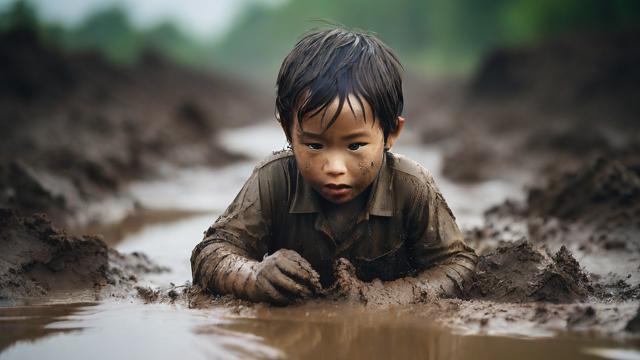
[(406, 225)]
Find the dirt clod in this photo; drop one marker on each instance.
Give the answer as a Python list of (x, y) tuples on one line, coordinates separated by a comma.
[(522, 272)]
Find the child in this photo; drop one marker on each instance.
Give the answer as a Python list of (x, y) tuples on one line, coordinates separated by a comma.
[(338, 202)]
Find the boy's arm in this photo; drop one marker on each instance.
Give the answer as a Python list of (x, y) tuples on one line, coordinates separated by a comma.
[(230, 260), (444, 262), (439, 250), (279, 278)]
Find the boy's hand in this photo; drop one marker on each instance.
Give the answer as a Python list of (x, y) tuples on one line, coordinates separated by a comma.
[(283, 277)]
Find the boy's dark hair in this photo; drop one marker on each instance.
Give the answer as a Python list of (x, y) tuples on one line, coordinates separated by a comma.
[(335, 62)]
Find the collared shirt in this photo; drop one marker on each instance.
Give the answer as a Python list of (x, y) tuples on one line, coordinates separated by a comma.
[(406, 225)]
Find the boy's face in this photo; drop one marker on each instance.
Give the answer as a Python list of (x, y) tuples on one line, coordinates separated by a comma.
[(342, 161)]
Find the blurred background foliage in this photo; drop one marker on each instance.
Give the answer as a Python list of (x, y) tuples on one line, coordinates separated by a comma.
[(436, 37)]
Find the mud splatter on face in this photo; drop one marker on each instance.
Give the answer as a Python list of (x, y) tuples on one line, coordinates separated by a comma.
[(364, 169)]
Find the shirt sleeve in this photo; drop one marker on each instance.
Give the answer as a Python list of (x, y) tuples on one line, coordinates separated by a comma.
[(243, 228), (439, 252)]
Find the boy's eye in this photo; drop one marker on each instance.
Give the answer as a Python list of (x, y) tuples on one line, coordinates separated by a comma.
[(356, 146), (314, 146)]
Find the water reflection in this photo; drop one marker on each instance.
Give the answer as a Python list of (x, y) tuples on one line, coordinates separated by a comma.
[(112, 330), (314, 331), (29, 323), (321, 332)]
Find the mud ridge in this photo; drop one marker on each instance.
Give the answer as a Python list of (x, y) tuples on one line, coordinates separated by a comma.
[(41, 262), (544, 109), (77, 128)]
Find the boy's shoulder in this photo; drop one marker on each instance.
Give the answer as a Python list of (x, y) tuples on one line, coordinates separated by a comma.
[(275, 157), (401, 164)]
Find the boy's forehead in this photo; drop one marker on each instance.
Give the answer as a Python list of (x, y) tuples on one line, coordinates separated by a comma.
[(354, 114), (353, 106)]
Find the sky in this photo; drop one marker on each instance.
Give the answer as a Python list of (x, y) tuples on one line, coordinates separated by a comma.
[(201, 18)]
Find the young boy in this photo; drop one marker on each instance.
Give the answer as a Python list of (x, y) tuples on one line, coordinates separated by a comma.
[(339, 202)]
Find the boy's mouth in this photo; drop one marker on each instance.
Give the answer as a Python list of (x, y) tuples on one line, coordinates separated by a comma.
[(337, 189)]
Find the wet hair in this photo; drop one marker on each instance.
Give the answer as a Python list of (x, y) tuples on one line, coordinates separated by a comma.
[(335, 62)]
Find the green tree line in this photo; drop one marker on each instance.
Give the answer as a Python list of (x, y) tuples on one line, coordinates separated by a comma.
[(432, 35)]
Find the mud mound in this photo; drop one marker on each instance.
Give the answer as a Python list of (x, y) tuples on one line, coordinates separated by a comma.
[(519, 272), (23, 191), (39, 261), (604, 186), (79, 127), (601, 199), (546, 108), (604, 183), (593, 211)]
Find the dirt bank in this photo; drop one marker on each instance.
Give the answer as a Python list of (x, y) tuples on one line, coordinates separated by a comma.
[(540, 110), (40, 262), (592, 211), (76, 128)]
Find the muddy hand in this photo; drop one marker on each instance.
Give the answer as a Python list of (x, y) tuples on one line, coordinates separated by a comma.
[(347, 283), (283, 277)]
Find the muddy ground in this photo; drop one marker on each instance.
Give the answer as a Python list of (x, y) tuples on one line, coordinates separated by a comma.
[(77, 129), (536, 111), (42, 262)]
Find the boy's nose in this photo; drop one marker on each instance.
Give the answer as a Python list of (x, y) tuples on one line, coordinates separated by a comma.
[(335, 166)]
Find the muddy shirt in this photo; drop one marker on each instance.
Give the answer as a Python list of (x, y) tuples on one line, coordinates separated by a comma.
[(406, 225)]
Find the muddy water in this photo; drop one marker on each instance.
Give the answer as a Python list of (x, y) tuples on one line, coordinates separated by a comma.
[(128, 329)]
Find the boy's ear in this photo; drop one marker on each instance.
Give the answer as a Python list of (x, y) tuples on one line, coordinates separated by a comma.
[(392, 137)]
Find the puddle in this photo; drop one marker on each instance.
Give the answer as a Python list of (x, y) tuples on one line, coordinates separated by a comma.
[(111, 330)]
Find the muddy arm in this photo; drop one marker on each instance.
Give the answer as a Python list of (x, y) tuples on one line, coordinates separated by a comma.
[(440, 254), (223, 262), (444, 280), (449, 279), (444, 263), (279, 278), (223, 268)]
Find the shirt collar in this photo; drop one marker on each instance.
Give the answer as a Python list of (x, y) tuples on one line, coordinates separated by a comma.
[(380, 203)]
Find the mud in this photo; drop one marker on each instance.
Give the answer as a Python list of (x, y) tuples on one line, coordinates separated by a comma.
[(541, 268), (593, 211), (77, 128), (565, 258), (520, 272), (41, 262), (536, 111)]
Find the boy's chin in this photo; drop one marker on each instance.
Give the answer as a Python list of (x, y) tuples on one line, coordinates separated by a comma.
[(340, 199), (335, 201)]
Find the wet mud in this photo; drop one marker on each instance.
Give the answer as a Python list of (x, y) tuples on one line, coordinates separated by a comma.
[(76, 128), (537, 111), (520, 272), (41, 262), (542, 263), (567, 257), (540, 267), (574, 240)]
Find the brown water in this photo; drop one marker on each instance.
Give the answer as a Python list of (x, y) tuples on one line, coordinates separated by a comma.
[(181, 207), (130, 330)]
